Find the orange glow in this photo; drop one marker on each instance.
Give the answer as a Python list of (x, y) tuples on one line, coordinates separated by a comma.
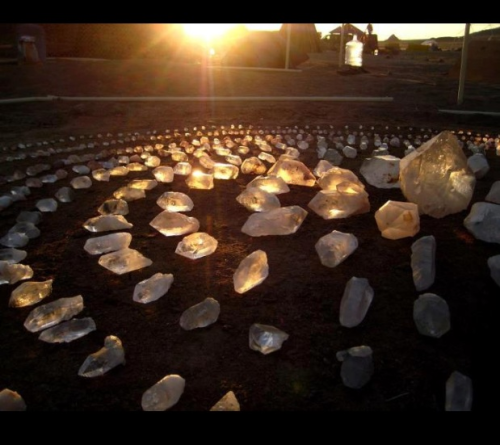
[(207, 31)]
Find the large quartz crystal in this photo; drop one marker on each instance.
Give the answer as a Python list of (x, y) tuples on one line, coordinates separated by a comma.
[(396, 219), (174, 224), (50, 314), (431, 315), (280, 221), (270, 184), (11, 401), (163, 394), (253, 166), (153, 288), (11, 273), (129, 194), (483, 221), (106, 223), (266, 339), (257, 200), (436, 177), (113, 207), (200, 181), (143, 184), (346, 200), (225, 171), (423, 262), (175, 202), (200, 315), (381, 171), (124, 260), (252, 271), (335, 247), (105, 359), (336, 175), (293, 172), (357, 298), (357, 366), (227, 403), (478, 165), (164, 174), (196, 245), (68, 331), (108, 243), (458, 392), (30, 293)]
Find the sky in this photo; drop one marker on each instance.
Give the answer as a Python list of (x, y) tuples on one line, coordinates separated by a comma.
[(406, 31)]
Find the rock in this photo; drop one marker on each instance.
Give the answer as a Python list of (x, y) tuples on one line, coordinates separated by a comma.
[(270, 184), (106, 223), (431, 315), (196, 245), (129, 194), (266, 339), (46, 205), (253, 166), (30, 293), (349, 152), (108, 243), (174, 224), (227, 403), (65, 194), (121, 170), (437, 178), (14, 240), (280, 221), (478, 165), (175, 202), (11, 401), (200, 315), (68, 331), (200, 181), (381, 171), (423, 262), (143, 184), (26, 228), (335, 247), (11, 273), (225, 171), (483, 221), (357, 366), (396, 219), (356, 300), (101, 174), (333, 156), (494, 193), (183, 169), (251, 271), (113, 207), (257, 200), (53, 313), (81, 182), (292, 172), (81, 169), (336, 175), (153, 288), (164, 174), (163, 394), (458, 392), (124, 260), (105, 359), (12, 256)]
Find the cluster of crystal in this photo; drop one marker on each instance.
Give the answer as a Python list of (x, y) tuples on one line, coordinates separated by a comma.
[(11, 401), (436, 177), (227, 403), (280, 221), (293, 172), (431, 315), (143, 184), (164, 394), (200, 181), (478, 165), (46, 205), (153, 288), (253, 166), (336, 175), (164, 174), (335, 247), (346, 200), (65, 194), (124, 260), (270, 184), (381, 171), (81, 182), (50, 314), (200, 315), (105, 359), (196, 245), (129, 194), (356, 300), (11, 273), (174, 224), (266, 339), (252, 271), (108, 243), (458, 392), (175, 202), (494, 266), (258, 200), (113, 207), (106, 223), (357, 366), (30, 293), (483, 221), (396, 219), (68, 331), (225, 171), (423, 262)]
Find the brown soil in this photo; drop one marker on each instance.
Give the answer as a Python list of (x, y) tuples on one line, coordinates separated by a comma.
[(300, 296)]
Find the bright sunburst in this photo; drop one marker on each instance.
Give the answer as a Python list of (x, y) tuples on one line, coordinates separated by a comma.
[(207, 31)]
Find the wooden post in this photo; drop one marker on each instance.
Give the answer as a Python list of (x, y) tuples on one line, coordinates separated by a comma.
[(341, 48), (463, 65), (288, 40)]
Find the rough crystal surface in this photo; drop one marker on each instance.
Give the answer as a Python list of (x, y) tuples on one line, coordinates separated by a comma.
[(356, 300), (436, 177), (164, 174), (227, 403), (113, 207), (483, 221), (200, 315), (253, 166), (335, 247), (423, 262), (381, 171), (30, 293), (46, 205), (196, 245), (65, 194), (14, 239), (431, 315), (163, 394), (11, 273), (251, 272), (175, 202), (174, 224), (293, 172), (494, 193), (478, 165), (266, 339), (270, 184), (336, 175), (153, 288), (225, 171), (346, 200), (50, 314), (108, 243), (105, 359), (258, 200), (106, 223), (124, 260), (81, 182), (280, 221), (68, 331), (396, 219), (11, 255), (129, 194)]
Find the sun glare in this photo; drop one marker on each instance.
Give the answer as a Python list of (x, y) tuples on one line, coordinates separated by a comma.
[(206, 31)]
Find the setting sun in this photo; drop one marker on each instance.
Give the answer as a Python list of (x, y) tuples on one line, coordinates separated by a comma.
[(207, 31)]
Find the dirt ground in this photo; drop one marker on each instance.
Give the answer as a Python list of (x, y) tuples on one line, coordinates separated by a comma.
[(300, 296)]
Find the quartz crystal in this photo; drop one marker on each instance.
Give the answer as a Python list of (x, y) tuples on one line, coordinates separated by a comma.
[(30, 293), (280, 221), (153, 288), (196, 245), (51, 314), (335, 247), (124, 260), (105, 359), (163, 394), (200, 315), (266, 339), (174, 224), (396, 219), (252, 271)]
